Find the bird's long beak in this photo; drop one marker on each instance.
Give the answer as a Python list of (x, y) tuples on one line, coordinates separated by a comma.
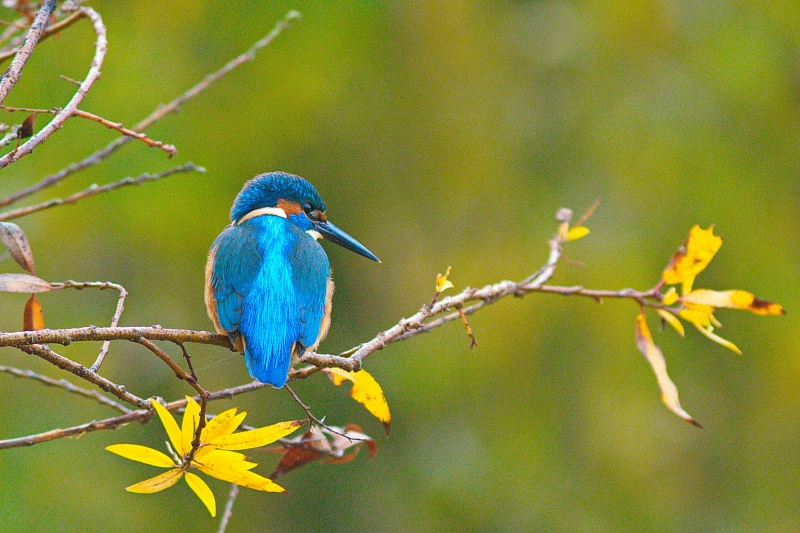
[(332, 233)]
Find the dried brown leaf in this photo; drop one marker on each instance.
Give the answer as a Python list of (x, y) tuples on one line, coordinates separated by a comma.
[(26, 129), (23, 283), (329, 444), (17, 243)]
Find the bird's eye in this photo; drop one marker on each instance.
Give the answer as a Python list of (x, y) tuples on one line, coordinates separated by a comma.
[(307, 208)]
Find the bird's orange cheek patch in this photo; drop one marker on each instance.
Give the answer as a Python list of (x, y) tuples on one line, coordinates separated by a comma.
[(290, 208)]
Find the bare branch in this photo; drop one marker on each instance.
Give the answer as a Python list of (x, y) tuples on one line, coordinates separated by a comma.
[(141, 415), (14, 71), (58, 121), (48, 31), (84, 373), (66, 385), (168, 148), (93, 333), (450, 308), (94, 190), (102, 285), (156, 115), (226, 515)]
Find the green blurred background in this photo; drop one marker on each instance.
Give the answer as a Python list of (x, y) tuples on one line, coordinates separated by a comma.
[(440, 133)]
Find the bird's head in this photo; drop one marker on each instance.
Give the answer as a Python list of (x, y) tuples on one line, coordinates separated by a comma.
[(294, 198)]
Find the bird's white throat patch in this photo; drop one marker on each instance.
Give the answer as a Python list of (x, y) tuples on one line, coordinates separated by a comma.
[(272, 211), (314, 233)]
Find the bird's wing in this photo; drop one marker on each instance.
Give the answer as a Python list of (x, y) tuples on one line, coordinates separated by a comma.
[(310, 272), (235, 262)]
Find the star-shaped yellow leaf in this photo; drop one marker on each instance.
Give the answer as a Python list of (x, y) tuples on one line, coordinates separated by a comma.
[(213, 457)]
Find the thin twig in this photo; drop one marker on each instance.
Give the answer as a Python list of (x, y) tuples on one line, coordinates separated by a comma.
[(156, 115), (304, 407), (102, 285), (188, 359), (312, 419), (168, 148), (14, 71), (141, 415), (226, 515), (84, 373), (11, 136), (191, 380), (465, 303), (95, 189), (66, 385), (101, 46), (48, 31)]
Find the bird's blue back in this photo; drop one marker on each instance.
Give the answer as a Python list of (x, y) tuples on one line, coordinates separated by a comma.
[(269, 281)]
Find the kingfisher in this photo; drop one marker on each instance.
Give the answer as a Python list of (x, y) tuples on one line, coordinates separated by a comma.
[(268, 281)]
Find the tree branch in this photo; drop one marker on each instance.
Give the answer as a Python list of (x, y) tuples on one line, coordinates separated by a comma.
[(141, 415), (94, 190), (82, 372), (102, 285), (156, 115), (14, 71), (66, 385), (168, 148), (58, 121), (48, 31), (466, 302)]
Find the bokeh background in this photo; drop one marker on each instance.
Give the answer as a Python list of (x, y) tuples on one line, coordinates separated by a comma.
[(440, 133)]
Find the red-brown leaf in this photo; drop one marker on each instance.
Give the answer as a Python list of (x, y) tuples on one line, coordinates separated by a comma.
[(26, 129)]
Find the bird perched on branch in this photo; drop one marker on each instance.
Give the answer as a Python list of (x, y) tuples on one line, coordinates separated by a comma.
[(268, 280)]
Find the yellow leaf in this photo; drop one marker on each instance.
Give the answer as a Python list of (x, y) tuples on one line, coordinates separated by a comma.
[(366, 391), (441, 281), (244, 478), (670, 297), (224, 423), (191, 418), (669, 392), (699, 315), (692, 258), (224, 457), (707, 331), (203, 492), (672, 320), (734, 300), (143, 454), (171, 427), (578, 232), (256, 437), (158, 483)]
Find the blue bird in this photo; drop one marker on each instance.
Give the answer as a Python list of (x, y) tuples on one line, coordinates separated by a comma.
[(268, 280)]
